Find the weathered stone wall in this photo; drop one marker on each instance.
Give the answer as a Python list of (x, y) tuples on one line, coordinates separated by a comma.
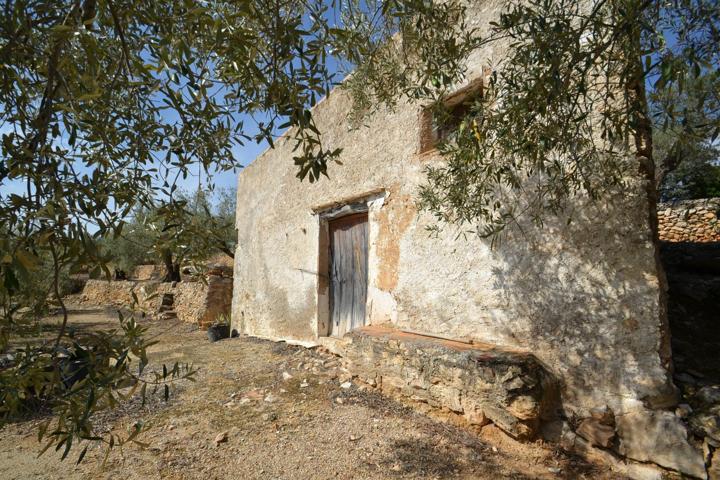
[(217, 299), (189, 298), (147, 272), (584, 296), (689, 221), (194, 302), (102, 292), (479, 383)]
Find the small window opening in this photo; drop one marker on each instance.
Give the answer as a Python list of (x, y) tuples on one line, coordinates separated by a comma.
[(440, 122)]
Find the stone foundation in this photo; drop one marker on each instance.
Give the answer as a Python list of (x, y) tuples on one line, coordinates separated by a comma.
[(479, 383), (475, 384)]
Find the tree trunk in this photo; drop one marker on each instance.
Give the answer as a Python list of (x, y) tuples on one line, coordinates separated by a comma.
[(172, 269)]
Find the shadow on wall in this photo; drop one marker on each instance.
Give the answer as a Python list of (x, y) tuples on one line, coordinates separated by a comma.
[(585, 295)]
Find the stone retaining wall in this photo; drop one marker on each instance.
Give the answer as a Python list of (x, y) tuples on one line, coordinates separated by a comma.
[(147, 272), (194, 302), (479, 383), (217, 300), (102, 292), (689, 221), (189, 298)]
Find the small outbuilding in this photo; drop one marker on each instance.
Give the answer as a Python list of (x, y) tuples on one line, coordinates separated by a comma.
[(560, 325)]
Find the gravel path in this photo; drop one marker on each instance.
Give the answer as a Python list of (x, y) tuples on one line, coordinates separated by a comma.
[(282, 412)]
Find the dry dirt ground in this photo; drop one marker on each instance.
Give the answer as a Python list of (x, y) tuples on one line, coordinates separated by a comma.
[(287, 416)]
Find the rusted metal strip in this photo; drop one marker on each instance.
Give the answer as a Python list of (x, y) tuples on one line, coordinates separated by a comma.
[(441, 337)]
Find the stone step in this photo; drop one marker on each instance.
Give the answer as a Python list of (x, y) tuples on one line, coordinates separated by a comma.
[(168, 315)]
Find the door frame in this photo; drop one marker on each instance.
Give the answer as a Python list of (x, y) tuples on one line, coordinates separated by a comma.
[(360, 217), (367, 203)]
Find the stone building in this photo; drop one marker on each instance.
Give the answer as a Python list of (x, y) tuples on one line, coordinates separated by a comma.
[(560, 326)]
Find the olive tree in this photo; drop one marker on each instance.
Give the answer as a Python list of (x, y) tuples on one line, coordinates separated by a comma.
[(187, 229), (106, 104), (570, 99)]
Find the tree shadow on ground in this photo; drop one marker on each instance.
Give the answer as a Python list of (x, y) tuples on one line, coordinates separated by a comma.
[(421, 457)]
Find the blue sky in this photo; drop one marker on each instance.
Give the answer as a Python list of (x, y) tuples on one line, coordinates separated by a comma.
[(244, 154)]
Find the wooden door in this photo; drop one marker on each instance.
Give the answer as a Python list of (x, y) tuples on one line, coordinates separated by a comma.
[(348, 273)]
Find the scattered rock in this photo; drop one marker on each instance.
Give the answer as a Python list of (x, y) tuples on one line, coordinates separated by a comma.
[(659, 437), (524, 407), (592, 430), (221, 437), (7, 360), (269, 417), (604, 415), (476, 417), (709, 395), (304, 384), (339, 400), (286, 376), (270, 398), (683, 410), (346, 385), (706, 424)]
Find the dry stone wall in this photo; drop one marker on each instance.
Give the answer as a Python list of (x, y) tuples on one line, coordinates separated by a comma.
[(102, 292), (194, 302), (689, 221), (217, 300), (190, 300), (147, 272)]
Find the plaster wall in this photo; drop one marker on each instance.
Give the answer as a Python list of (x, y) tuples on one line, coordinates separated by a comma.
[(585, 297)]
